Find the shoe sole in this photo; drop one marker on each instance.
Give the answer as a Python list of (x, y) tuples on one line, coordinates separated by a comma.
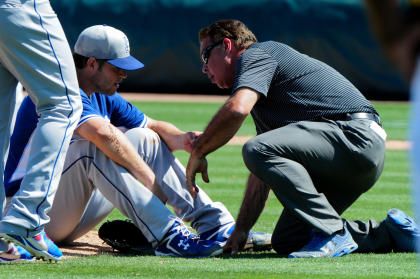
[(345, 250), (39, 254)]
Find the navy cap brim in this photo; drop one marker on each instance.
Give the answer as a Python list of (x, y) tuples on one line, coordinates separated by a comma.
[(126, 63)]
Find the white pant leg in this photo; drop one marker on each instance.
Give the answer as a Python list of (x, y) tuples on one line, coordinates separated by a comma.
[(8, 85), (42, 62), (203, 213), (70, 216), (87, 168)]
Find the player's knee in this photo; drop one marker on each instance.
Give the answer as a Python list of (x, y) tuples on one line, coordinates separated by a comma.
[(142, 134)]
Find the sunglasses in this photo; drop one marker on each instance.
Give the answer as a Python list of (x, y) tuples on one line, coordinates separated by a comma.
[(205, 54)]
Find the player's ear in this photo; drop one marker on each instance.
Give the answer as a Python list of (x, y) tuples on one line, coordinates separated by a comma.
[(91, 62)]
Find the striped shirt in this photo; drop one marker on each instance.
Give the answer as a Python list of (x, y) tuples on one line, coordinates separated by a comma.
[(294, 87)]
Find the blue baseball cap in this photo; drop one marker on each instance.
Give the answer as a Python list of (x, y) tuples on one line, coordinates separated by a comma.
[(106, 42)]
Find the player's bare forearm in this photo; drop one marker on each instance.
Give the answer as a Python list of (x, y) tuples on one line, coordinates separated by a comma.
[(116, 146), (173, 137)]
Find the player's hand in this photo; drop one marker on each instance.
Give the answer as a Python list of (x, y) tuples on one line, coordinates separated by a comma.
[(190, 139), (236, 242), (196, 165)]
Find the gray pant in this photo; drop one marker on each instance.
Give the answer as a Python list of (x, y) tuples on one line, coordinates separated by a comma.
[(317, 170), (35, 52), (92, 185)]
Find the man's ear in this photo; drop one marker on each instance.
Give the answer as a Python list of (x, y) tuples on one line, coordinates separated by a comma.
[(91, 63), (227, 45)]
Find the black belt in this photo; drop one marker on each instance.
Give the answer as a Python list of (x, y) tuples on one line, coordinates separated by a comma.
[(355, 115)]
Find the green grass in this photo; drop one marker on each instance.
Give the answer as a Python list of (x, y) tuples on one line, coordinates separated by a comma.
[(395, 118), (228, 176), (195, 116), (261, 265), (189, 116)]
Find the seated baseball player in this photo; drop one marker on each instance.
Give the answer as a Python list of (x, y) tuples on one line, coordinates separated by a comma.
[(121, 158)]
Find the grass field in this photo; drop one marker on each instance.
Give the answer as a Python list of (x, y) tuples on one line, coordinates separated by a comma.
[(228, 176)]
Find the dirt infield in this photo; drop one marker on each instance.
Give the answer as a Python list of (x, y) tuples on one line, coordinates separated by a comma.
[(87, 245)]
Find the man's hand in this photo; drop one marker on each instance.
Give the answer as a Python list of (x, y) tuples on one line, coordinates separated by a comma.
[(236, 242), (196, 165)]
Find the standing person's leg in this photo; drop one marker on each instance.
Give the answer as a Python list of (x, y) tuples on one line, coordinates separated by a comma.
[(307, 162), (8, 83), (42, 62), (7, 105)]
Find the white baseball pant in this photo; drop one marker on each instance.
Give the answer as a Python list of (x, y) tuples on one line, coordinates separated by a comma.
[(34, 51), (92, 185)]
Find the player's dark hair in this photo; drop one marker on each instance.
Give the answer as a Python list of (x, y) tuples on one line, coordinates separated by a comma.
[(80, 61), (233, 29)]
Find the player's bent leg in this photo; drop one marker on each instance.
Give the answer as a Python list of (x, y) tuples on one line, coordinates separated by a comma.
[(73, 193), (180, 242), (203, 213), (66, 224), (210, 219)]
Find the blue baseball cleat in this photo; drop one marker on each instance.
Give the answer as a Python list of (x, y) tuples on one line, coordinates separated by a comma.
[(331, 246), (256, 241), (40, 245), (15, 254), (403, 229), (180, 242)]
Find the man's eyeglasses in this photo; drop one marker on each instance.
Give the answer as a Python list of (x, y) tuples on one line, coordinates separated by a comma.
[(205, 54)]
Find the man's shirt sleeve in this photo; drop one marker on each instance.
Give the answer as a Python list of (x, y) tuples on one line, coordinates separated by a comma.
[(255, 69)]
